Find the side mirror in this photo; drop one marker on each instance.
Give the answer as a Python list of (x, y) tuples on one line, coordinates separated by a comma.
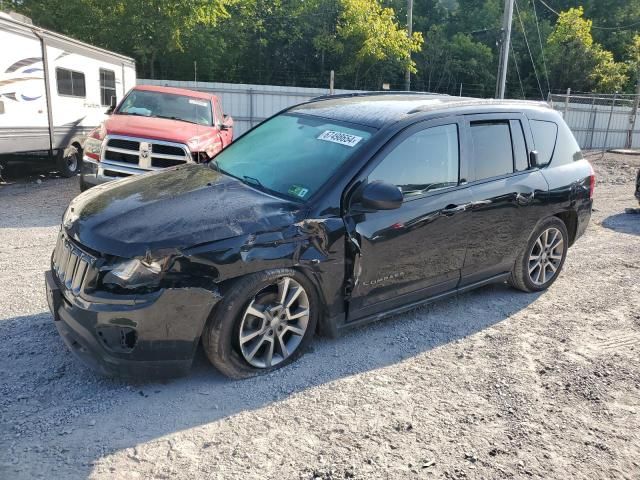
[(533, 158), (381, 196), (227, 122), (113, 102)]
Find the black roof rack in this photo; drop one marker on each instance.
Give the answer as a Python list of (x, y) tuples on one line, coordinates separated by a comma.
[(376, 92)]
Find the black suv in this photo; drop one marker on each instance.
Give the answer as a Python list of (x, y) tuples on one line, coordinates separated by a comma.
[(331, 214)]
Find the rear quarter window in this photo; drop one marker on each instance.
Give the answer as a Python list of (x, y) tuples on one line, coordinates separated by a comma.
[(544, 139), (567, 149), (555, 143)]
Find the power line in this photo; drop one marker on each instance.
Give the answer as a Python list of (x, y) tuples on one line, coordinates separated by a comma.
[(619, 27), (526, 41), (515, 62), (544, 60), (549, 8)]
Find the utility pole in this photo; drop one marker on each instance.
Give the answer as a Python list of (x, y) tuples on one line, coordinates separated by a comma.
[(407, 75), (505, 43), (634, 114), (332, 77)]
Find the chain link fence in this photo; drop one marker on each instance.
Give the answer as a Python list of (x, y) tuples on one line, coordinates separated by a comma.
[(600, 121)]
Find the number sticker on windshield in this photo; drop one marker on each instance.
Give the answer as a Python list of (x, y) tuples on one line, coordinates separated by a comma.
[(339, 137), (201, 103), (298, 191)]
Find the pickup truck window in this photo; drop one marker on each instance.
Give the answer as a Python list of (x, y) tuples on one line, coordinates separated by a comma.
[(291, 155), (167, 105)]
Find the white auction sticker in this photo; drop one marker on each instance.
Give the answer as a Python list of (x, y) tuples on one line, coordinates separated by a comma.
[(339, 137), (202, 103)]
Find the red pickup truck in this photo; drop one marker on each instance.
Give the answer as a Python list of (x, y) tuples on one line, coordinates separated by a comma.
[(153, 128)]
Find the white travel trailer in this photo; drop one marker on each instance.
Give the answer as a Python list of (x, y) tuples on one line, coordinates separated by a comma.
[(54, 90)]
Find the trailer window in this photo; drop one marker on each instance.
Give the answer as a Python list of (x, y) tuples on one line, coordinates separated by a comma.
[(70, 83), (107, 86)]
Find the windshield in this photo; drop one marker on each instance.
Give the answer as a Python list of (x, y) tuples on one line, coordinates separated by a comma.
[(291, 155), (167, 105)]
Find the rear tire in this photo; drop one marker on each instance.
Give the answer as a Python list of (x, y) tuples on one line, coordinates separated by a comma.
[(251, 317), (541, 261), (69, 162)]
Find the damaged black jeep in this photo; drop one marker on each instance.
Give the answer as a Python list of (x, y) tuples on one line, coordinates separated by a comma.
[(331, 214)]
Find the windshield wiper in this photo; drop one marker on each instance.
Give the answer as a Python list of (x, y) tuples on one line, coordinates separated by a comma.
[(175, 118), (253, 180), (131, 113)]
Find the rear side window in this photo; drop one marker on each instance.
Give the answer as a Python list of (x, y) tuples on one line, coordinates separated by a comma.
[(544, 138), (70, 83), (493, 154), (422, 162)]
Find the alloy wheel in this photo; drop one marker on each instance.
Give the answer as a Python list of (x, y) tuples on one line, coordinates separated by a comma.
[(72, 162), (546, 256), (274, 323)]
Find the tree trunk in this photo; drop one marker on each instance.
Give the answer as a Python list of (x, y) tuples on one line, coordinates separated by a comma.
[(152, 69)]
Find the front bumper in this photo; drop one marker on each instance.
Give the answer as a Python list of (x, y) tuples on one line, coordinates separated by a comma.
[(96, 173), (151, 335)]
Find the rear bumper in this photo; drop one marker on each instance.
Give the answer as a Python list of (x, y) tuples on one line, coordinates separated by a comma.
[(152, 335), (583, 218)]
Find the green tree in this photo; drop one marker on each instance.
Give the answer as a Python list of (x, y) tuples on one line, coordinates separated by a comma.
[(576, 61), (147, 29), (372, 40), (633, 61)]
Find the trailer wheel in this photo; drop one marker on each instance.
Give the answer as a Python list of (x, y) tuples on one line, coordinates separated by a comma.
[(69, 161)]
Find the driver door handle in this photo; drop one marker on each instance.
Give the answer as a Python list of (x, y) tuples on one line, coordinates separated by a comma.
[(525, 199)]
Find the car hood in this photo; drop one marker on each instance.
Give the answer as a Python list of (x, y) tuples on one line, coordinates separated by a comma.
[(155, 128), (173, 209)]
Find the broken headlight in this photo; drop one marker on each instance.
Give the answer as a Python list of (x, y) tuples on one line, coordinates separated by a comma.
[(135, 273)]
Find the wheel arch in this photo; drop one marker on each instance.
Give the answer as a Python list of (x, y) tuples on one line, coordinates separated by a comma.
[(309, 273), (570, 220)]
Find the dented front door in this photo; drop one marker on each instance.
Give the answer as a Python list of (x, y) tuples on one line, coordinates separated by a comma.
[(418, 250)]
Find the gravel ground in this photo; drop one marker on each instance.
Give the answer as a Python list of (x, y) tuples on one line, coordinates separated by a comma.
[(491, 384)]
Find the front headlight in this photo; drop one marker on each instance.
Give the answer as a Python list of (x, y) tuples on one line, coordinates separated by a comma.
[(92, 148), (132, 274)]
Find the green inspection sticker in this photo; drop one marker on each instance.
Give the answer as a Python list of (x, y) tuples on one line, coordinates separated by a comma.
[(298, 191)]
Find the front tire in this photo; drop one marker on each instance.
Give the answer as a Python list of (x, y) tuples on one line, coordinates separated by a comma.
[(69, 162), (540, 263), (264, 322)]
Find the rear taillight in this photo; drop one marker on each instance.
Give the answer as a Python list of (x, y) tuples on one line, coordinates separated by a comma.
[(592, 181)]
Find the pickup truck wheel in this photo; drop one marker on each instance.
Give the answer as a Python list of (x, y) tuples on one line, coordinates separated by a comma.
[(69, 162), (264, 322), (540, 263)]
